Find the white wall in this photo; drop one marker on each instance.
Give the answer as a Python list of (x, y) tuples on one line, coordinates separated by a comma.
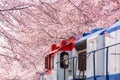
[(114, 52), (94, 43)]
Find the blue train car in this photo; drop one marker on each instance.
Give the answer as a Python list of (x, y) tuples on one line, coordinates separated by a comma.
[(95, 56)]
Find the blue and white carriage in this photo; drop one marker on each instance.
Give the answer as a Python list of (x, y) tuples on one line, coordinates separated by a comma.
[(95, 56), (113, 38)]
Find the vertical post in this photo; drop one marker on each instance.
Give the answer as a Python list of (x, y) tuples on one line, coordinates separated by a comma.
[(42, 76), (64, 71), (94, 72), (64, 74), (73, 70), (83, 75), (107, 77), (82, 63)]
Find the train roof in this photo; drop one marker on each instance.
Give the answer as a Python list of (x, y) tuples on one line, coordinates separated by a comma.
[(114, 27), (99, 32)]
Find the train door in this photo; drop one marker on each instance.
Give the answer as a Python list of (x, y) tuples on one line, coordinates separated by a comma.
[(81, 53)]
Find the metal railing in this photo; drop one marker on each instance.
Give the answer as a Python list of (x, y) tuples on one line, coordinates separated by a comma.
[(94, 51), (107, 49)]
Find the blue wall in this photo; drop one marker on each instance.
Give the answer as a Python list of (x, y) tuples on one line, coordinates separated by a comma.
[(111, 77)]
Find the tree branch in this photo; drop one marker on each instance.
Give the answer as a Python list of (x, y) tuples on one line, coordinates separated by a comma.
[(15, 8)]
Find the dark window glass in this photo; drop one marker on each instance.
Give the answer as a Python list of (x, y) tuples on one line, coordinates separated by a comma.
[(81, 61), (46, 62), (64, 60)]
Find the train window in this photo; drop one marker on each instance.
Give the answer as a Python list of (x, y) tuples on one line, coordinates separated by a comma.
[(81, 61), (51, 61), (64, 63), (46, 62)]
